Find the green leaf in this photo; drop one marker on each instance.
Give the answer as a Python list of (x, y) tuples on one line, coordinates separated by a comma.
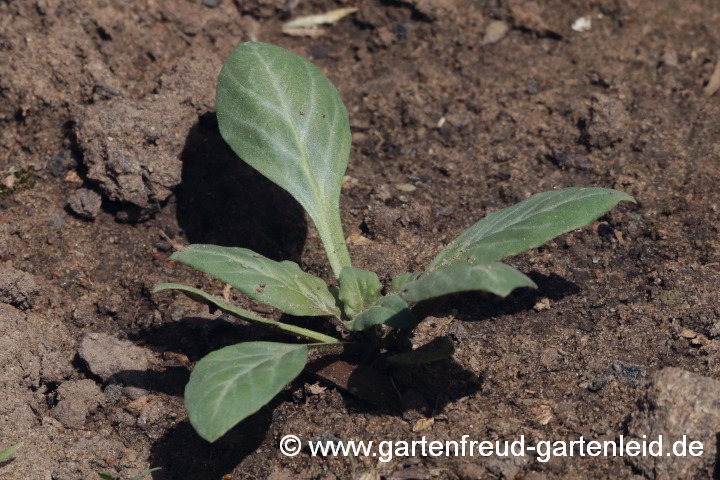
[(214, 302), (279, 284), (529, 224), (398, 281), (496, 278), (391, 310), (234, 382), (358, 290), (282, 116), (145, 473), (437, 349), (8, 453)]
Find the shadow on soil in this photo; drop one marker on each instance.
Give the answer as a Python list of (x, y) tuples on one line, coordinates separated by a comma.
[(223, 201), (412, 390), (195, 337), (182, 454), (475, 306)]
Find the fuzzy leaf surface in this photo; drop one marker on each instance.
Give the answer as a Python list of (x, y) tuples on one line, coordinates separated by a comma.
[(400, 280), (234, 382), (528, 224), (358, 289), (279, 284), (390, 310), (283, 117), (496, 278)]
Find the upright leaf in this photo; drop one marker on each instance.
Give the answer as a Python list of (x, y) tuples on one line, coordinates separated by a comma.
[(279, 284), (234, 382), (282, 116), (529, 224), (391, 310), (496, 278), (358, 289)]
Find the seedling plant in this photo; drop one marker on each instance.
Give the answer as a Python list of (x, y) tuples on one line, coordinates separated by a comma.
[(283, 117), (9, 452), (143, 474)]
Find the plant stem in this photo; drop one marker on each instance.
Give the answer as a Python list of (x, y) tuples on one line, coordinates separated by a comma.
[(304, 332), (331, 233), (245, 315), (214, 302)]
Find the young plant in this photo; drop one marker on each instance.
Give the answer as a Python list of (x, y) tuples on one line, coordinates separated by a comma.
[(143, 474), (8, 453), (282, 116)]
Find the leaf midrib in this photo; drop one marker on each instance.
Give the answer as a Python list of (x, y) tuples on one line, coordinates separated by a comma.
[(462, 247), (303, 151), (226, 384), (258, 268)]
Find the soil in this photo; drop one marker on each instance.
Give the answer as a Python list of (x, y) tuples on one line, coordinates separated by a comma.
[(109, 155)]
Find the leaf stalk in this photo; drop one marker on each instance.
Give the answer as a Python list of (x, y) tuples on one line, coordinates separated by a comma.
[(331, 234)]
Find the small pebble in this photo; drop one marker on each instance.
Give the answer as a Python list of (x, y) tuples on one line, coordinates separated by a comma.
[(85, 203), (631, 375), (597, 384), (406, 187), (687, 333), (56, 220), (495, 32), (318, 52)]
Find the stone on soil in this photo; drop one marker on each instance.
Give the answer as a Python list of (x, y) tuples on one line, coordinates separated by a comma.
[(76, 400), (17, 288), (678, 403), (133, 147), (112, 358), (85, 203)]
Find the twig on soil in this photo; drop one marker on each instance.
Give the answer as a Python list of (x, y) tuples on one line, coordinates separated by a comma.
[(714, 83), (178, 247)]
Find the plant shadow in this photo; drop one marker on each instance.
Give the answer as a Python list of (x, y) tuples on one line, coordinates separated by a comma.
[(183, 454), (478, 306), (398, 390), (223, 201), (195, 337)]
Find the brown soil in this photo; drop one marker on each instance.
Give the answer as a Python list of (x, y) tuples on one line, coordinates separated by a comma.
[(471, 125)]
